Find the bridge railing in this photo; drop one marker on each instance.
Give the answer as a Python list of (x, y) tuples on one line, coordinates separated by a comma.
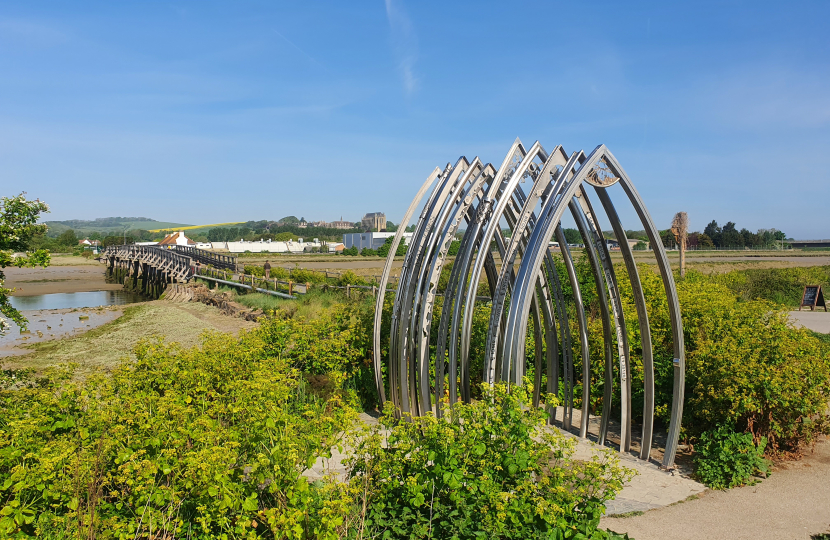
[(176, 263), (216, 260)]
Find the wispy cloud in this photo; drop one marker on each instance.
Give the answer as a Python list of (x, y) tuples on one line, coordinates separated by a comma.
[(404, 42), (301, 51)]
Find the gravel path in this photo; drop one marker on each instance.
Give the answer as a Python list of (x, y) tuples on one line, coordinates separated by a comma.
[(793, 503)]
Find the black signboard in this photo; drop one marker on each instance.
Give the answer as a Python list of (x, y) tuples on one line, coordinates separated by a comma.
[(812, 298)]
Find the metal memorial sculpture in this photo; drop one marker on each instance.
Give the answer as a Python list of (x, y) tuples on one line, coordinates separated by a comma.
[(483, 199)]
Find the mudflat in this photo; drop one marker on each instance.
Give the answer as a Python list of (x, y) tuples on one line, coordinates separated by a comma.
[(105, 347), (58, 279)]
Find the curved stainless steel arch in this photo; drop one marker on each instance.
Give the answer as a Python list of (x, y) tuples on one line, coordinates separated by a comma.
[(487, 198)]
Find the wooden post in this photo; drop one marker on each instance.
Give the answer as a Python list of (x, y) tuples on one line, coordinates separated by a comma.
[(290, 288), (307, 286), (374, 291), (348, 291)]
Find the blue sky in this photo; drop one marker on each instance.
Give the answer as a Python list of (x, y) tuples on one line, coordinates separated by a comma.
[(205, 112)]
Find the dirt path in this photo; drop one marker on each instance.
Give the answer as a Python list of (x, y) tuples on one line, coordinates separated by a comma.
[(793, 503)]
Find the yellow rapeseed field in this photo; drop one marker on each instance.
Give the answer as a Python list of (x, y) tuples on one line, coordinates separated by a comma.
[(197, 226)]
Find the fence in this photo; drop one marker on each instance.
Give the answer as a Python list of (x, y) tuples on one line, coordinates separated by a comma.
[(275, 286)]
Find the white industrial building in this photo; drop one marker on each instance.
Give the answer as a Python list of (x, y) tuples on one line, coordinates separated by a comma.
[(267, 246), (371, 240)]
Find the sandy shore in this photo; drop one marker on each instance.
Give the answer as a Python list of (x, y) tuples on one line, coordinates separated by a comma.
[(58, 279)]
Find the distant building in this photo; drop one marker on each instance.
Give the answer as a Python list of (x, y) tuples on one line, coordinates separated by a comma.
[(374, 221), (267, 246), (176, 239), (801, 244), (371, 240), (341, 224), (88, 242)]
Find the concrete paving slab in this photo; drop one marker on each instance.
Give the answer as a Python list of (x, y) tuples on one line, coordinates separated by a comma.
[(793, 503), (817, 321)]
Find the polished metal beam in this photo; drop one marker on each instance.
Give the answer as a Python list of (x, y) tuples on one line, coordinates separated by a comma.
[(486, 198)]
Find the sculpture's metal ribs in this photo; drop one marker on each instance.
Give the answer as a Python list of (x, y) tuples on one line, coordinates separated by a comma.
[(486, 198)]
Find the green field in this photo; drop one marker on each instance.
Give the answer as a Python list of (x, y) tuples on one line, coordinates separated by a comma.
[(109, 225)]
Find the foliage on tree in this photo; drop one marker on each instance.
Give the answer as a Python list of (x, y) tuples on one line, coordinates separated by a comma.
[(18, 227), (383, 250), (572, 236), (729, 236), (68, 238)]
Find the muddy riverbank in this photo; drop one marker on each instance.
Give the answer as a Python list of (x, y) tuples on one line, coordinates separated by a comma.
[(49, 324), (58, 279)]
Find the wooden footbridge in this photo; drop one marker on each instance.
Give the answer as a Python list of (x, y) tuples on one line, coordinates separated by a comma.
[(149, 269)]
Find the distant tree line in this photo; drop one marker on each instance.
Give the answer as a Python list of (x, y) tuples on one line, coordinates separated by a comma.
[(729, 237)]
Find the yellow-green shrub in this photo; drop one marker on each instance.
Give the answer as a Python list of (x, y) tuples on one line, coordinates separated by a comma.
[(200, 443)]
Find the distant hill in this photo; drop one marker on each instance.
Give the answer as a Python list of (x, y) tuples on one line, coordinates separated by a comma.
[(108, 225)]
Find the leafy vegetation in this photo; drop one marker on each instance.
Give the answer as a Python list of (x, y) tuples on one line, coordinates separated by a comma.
[(212, 442), (201, 443), (18, 226), (726, 459), (493, 471)]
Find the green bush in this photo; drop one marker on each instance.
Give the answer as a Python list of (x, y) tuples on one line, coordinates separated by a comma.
[(350, 278), (202, 443), (254, 270), (301, 275), (493, 471), (367, 252), (725, 459), (351, 251), (746, 366)]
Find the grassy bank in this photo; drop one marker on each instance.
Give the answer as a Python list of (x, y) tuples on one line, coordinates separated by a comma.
[(108, 345)]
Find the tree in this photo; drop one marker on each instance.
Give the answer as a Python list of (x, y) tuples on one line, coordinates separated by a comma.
[(730, 237), (572, 236), (713, 232), (751, 239), (704, 242), (18, 226), (383, 250), (668, 239), (68, 238), (284, 237)]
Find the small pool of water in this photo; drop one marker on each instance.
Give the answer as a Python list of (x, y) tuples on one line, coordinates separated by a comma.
[(75, 300)]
